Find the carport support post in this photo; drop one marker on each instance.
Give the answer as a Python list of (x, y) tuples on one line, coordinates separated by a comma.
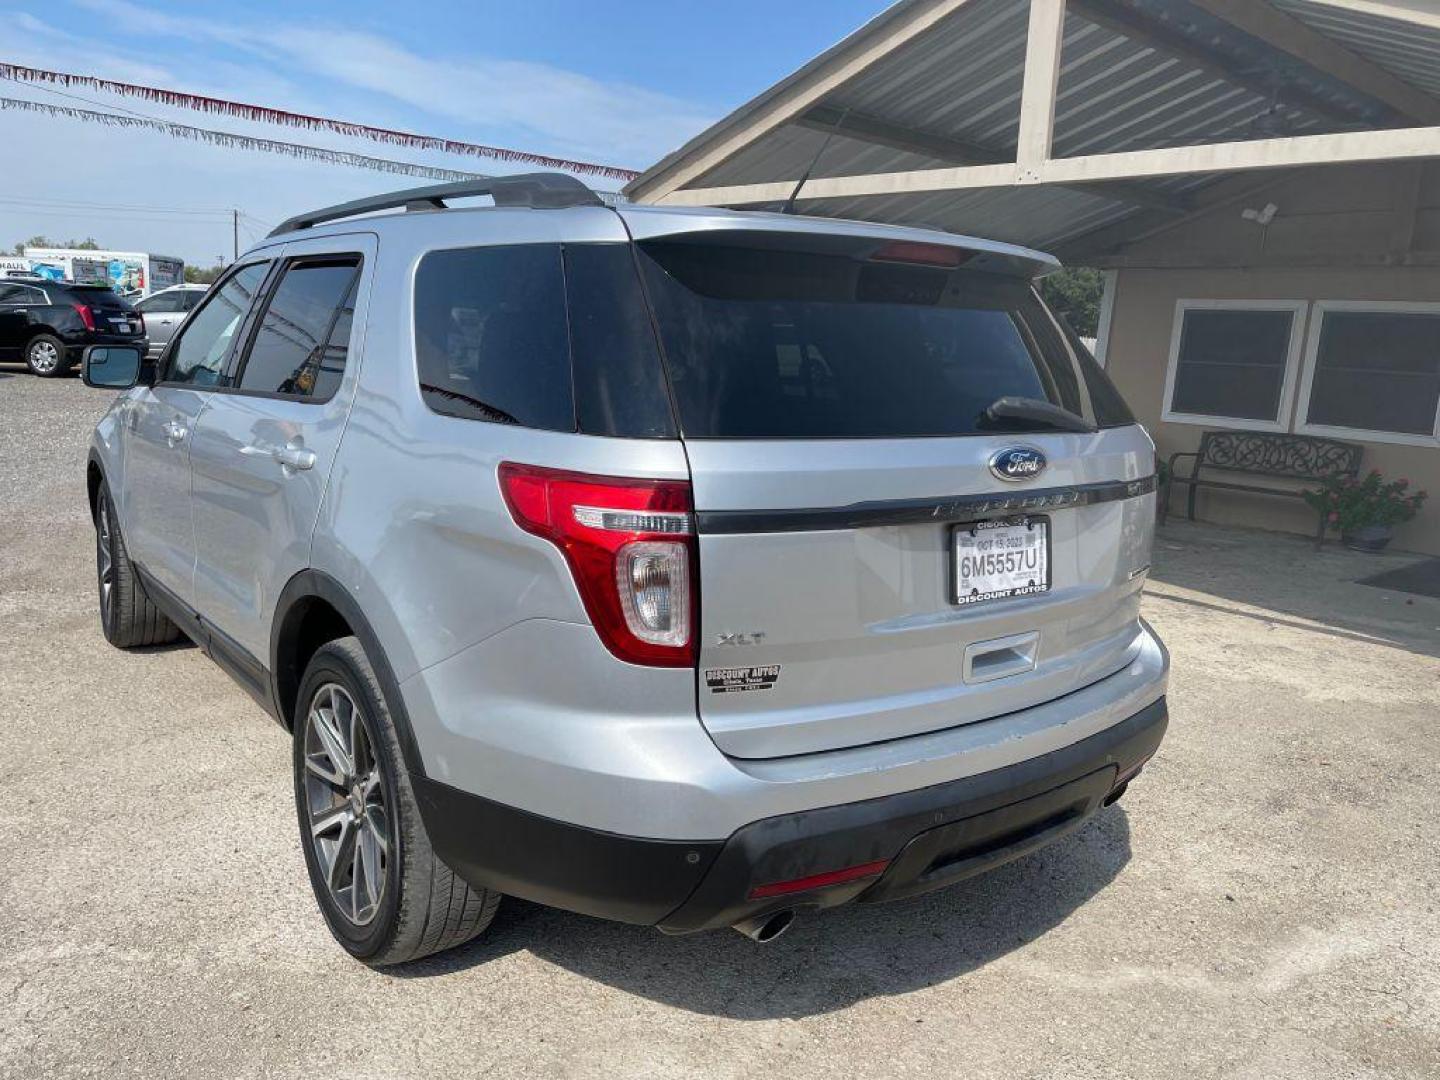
[(1042, 77)]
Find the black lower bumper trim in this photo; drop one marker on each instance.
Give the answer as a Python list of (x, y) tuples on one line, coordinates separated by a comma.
[(930, 838), (493, 846)]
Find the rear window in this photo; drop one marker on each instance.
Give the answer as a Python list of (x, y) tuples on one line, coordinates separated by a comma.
[(99, 295), (766, 343)]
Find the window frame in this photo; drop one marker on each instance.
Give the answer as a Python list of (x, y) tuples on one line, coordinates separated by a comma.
[(1285, 406), (1318, 309), (239, 358)]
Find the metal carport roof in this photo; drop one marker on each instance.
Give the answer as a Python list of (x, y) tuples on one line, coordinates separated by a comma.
[(1128, 113)]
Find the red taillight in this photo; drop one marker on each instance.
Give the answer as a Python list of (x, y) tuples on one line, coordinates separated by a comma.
[(909, 251), (86, 315), (631, 547), (819, 881)]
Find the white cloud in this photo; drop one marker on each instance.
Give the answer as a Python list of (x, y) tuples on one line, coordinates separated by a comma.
[(559, 111), (351, 75)]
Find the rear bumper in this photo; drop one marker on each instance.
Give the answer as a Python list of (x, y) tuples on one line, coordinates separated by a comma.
[(928, 838)]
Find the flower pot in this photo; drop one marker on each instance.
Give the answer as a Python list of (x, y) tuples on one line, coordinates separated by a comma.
[(1371, 538)]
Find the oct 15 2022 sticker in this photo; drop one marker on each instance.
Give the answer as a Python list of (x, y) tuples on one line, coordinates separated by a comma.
[(739, 680)]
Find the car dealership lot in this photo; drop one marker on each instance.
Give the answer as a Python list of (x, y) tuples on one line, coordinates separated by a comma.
[(1262, 903)]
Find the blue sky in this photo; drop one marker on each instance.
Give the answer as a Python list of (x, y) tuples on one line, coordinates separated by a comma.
[(615, 83)]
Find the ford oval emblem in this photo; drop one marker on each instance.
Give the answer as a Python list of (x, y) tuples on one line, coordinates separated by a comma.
[(1017, 463)]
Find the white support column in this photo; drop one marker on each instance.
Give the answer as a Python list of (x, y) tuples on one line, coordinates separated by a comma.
[(1107, 314), (1042, 77)]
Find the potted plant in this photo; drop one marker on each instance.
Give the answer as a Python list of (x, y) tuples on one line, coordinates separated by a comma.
[(1367, 510)]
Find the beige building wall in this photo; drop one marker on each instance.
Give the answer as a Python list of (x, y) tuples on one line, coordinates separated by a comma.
[(1352, 233), (1138, 354)]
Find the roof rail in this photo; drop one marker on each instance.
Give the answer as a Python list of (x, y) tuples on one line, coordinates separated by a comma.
[(538, 190)]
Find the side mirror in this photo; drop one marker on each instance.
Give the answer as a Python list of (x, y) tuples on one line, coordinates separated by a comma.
[(111, 367)]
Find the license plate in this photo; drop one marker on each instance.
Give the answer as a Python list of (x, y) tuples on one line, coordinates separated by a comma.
[(998, 559), (122, 326)]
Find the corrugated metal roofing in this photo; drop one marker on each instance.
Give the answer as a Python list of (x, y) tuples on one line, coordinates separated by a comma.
[(960, 82), (1407, 51)]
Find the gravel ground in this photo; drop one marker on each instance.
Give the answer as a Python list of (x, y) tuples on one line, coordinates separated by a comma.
[(1262, 904)]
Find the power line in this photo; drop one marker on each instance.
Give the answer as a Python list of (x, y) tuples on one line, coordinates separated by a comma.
[(81, 205), (213, 137)]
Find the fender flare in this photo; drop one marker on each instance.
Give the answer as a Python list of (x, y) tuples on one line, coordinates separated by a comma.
[(285, 679)]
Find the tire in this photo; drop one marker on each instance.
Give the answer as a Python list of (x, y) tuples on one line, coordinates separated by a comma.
[(359, 822), (45, 356), (128, 617)]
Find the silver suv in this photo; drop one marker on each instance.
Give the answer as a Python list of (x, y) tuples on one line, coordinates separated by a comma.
[(685, 568)]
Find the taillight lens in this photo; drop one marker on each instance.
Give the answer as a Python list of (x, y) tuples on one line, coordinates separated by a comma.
[(86, 315), (631, 548)]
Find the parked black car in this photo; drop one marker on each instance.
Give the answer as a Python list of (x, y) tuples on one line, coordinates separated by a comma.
[(48, 323)]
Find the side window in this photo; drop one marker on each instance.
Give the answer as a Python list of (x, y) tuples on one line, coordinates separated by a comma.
[(491, 341), (165, 302), (198, 355), (21, 296), (299, 347), (191, 298)]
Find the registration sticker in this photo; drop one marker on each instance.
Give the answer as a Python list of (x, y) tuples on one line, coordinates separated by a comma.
[(999, 559)]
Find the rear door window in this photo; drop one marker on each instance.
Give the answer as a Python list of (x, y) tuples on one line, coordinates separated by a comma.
[(768, 343), (300, 344), (162, 303)]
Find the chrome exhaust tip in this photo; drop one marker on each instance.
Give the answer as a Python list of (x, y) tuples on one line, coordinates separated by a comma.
[(766, 928)]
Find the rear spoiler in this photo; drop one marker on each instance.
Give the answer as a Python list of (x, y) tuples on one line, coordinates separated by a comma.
[(800, 232)]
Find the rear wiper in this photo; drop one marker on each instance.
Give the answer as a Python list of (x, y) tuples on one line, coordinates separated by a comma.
[(498, 416), (1035, 411)]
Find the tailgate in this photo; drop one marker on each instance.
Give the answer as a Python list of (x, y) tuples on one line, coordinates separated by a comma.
[(829, 615)]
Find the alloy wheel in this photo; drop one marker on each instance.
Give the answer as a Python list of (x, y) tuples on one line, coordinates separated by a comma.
[(104, 559), (44, 357), (348, 821)]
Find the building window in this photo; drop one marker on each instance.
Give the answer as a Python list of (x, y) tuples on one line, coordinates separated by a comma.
[(1373, 369), (1233, 362)]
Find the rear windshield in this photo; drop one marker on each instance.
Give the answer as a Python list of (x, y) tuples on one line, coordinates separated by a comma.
[(101, 295), (765, 343)]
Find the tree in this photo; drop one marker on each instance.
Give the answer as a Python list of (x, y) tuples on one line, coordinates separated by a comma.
[(34, 241), (195, 275), (88, 244), (1075, 293)]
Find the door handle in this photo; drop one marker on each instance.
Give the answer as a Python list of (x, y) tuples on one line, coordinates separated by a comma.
[(295, 456), (175, 432)]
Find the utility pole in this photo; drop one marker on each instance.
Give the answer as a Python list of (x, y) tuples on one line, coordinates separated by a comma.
[(235, 235)]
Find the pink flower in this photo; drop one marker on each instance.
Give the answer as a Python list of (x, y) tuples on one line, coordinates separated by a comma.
[(1402, 483), (1334, 517)]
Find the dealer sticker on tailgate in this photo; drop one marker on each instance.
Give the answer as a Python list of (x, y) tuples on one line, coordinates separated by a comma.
[(737, 680), (998, 559)]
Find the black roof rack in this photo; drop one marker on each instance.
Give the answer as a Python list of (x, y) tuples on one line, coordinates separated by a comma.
[(537, 190)]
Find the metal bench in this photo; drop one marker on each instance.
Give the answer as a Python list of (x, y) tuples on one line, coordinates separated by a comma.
[(1262, 453)]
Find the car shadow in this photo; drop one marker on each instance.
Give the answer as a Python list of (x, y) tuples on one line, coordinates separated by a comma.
[(827, 961)]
